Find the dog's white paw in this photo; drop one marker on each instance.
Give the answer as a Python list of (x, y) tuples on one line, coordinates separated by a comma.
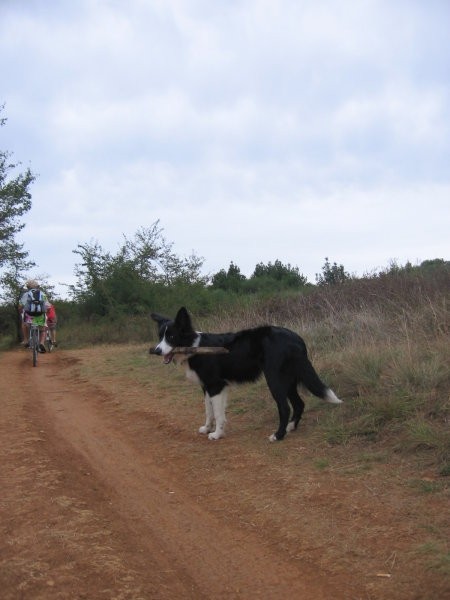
[(215, 435), (273, 438), (290, 426), (204, 429)]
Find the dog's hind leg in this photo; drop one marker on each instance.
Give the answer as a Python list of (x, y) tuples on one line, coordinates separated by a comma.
[(279, 390), (298, 406), (283, 411), (208, 426)]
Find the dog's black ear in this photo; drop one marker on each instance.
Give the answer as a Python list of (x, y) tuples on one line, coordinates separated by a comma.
[(159, 319), (183, 320)]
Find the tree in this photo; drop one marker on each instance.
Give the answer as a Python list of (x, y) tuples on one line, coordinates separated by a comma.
[(154, 259), (332, 274), (126, 281), (90, 273), (278, 275), (230, 281), (15, 201), (433, 265)]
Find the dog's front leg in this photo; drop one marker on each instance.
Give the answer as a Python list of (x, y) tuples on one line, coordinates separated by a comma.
[(219, 404), (208, 426)]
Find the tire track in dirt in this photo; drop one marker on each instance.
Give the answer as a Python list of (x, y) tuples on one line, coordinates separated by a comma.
[(196, 554)]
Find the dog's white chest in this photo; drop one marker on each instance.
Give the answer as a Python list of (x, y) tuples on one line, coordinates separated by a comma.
[(192, 376)]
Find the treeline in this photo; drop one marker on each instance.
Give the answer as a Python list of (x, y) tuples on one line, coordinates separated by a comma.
[(397, 292), (145, 274)]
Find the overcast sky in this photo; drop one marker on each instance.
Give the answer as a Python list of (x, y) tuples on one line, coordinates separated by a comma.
[(254, 130)]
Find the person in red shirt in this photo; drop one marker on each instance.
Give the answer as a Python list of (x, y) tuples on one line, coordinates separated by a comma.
[(51, 322)]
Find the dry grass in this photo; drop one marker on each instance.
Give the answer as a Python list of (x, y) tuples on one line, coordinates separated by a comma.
[(382, 344)]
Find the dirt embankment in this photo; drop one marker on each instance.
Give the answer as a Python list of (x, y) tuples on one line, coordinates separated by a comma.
[(101, 502)]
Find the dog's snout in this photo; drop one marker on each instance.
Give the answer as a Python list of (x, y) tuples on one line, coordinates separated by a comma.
[(155, 350)]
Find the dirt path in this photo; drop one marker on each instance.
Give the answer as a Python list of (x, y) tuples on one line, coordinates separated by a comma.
[(93, 505)]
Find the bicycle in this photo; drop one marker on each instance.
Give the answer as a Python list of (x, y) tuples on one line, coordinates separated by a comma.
[(48, 340), (34, 341)]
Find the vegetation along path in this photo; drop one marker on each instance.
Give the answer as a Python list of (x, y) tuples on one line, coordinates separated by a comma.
[(108, 492)]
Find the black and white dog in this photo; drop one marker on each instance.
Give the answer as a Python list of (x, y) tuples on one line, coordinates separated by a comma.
[(277, 352)]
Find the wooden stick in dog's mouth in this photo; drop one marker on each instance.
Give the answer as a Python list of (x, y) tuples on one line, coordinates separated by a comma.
[(197, 350)]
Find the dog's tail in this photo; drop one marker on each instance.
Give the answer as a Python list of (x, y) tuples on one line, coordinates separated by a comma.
[(312, 382)]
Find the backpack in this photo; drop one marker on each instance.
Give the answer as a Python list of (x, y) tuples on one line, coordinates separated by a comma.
[(35, 303)]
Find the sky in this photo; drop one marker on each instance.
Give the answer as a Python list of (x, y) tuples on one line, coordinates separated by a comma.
[(253, 130)]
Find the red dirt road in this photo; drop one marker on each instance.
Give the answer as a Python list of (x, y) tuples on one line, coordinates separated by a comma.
[(100, 501)]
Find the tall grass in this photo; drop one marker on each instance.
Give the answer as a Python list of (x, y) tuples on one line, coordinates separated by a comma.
[(383, 344)]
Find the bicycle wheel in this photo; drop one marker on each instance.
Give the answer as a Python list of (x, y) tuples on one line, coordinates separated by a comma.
[(48, 342), (35, 345)]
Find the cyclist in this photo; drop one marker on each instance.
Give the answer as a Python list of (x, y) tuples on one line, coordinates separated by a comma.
[(32, 285), (51, 323)]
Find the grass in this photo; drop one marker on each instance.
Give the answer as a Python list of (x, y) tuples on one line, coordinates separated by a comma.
[(321, 463), (427, 486), (6, 342), (430, 441), (438, 556)]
